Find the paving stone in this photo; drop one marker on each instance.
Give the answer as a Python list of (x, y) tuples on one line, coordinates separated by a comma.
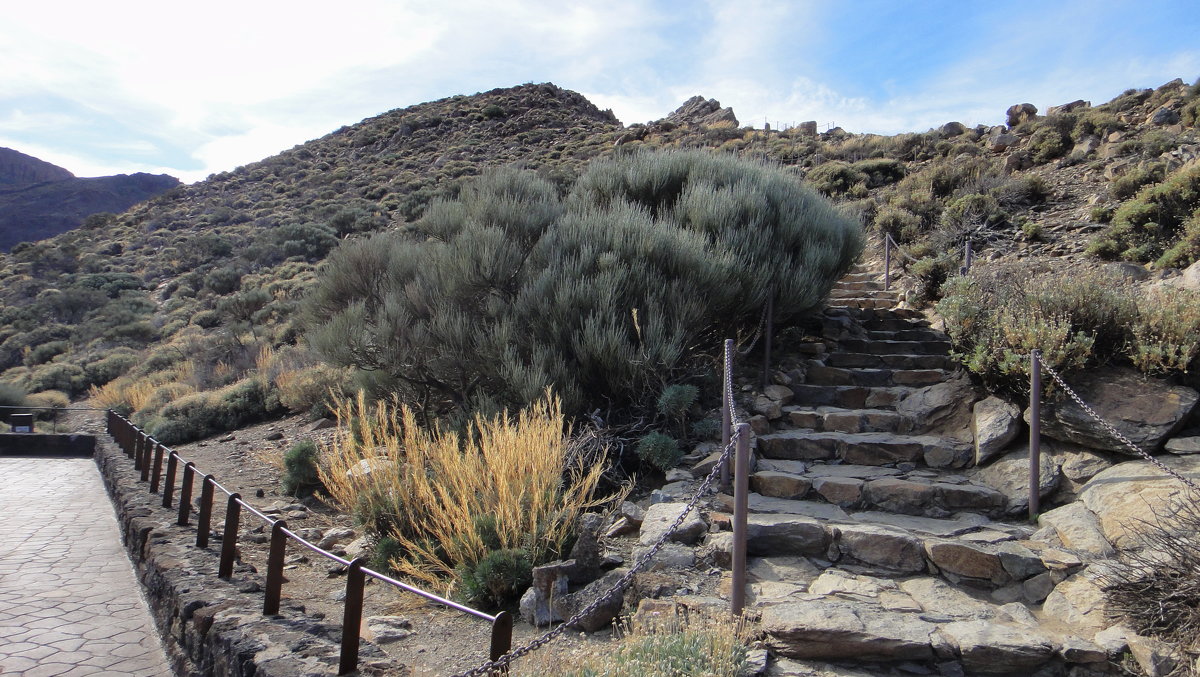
[(987, 646), (832, 629), (886, 547)]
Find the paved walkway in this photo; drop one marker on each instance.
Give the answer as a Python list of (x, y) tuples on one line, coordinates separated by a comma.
[(69, 603)]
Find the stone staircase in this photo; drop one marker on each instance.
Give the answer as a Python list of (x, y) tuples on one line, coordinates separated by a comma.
[(869, 538)]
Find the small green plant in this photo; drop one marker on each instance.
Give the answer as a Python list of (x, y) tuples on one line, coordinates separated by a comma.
[(1101, 214), (1032, 230), (706, 429), (387, 549), (301, 472), (498, 579), (659, 450)]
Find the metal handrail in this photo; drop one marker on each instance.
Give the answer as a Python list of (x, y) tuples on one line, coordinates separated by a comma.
[(140, 446)]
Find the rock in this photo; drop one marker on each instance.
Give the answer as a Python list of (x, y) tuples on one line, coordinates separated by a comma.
[(779, 484), (953, 129), (779, 393), (1155, 658), (699, 111), (759, 425), (1076, 463), (387, 629), (1164, 116), (549, 582), (367, 466), (678, 475), (780, 569), (673, 555), (587, 552), (1146, 410), (903, 496), (335, 536), (568, 605), (1127, 271), (703, 467), (1183, 445), (937, 597), (767, 407), (1086, 145), (717, 550), (272, 436), (1076, 650), (1113, 640), (837, 582), (1017, 161), (785, 535), (940, 407), (994, 423), (840, 491), (1020, 113), (1190, 279), (1126, 495), (633, 512), (1010, 476), (1002, 142), (1068, 107), (833, 629), (967, 559), (989, 647), (880, 546), (659, 518), (1078, 603), (1078, 529), (359, 547), (321, 424), (1019, 561)]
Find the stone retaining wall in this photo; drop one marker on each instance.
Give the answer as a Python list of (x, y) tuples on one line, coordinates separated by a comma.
[(212, 626), (39, 444)]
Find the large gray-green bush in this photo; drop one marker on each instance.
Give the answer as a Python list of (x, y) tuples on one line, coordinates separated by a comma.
[(605, 295)]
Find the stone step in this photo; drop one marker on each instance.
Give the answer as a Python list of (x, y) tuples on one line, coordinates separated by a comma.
[(865, 448), (863, 284), (920, 334), (867, 360), (860, 276), (861, 302), (838, 419), (893, 324), (901, 493), (849, 397), (839, 376), (860, 292), (895, 347), (867, 314)]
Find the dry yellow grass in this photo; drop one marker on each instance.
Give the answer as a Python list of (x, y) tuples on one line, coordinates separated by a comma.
[(130, 393), (428, 489)]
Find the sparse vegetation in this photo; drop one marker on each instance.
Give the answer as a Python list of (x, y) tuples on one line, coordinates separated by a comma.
[(1161, 224)]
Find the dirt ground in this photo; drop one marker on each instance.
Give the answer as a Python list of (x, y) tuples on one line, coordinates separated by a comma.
[(442, 642)]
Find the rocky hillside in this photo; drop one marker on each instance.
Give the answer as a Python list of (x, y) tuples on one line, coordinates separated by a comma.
[(39, 200), (204, 280)]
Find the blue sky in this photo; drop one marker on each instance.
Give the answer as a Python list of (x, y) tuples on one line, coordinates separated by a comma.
[(195, 88)]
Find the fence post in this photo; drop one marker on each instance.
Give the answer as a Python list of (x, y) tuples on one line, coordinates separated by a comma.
[(352, 617), (726, 414), (137, 451), (169, 482), (205, 518), (275, 568), (1035, 432), (741, 497), (156, 472), (233, 513), (502, 627), (185, 494), (147, 444), (887, 261), (769, 329)]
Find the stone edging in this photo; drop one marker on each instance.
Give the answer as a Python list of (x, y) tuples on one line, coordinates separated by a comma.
[(210, 626)]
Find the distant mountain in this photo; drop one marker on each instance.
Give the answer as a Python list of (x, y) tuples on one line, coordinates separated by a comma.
[(40, 200)]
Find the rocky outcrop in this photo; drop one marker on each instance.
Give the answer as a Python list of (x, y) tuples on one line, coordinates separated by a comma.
[(700, 111), (1020, 113)]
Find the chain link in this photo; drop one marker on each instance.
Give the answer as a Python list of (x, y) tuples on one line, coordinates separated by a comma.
[(1112, 430), (507, 659), (896, 247), (762, 322)]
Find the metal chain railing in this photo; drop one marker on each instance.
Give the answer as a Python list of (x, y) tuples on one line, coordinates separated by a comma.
[(504, 661), (1113, 431), (762, 322)]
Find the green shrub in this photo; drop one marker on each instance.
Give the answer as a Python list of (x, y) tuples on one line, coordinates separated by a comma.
[(659, 450), (931, 272), (706, 429), (201, 415), (836, 178), (675, 400), (1101, 214), (46, 352), (300, 472), (509, 289), (109, 367), (881, 171), (11, 395), (1048, 143), (1126, 186), (498, 580), (1160, 219), (63, 376), (901, 224), (386, 550)]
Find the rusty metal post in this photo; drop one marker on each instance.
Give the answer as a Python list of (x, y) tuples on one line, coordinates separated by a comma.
[(169, 482), (1035, 433), (741, 496), (275, 568), (769, 330), (185, 494), (501, 635), (148, 444), (233, 513), (156, 471), (726, 413), (205, 518), (137, 450), (887, 261), (352, 616)]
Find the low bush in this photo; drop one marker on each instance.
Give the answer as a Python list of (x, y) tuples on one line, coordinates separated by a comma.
[(1127, 185), (301, 474), (200, 415), (659, 450), (1161, 224), (498, 579), (11, 395), (836, 178)]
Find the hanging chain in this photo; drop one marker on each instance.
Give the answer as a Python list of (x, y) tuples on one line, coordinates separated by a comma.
[(1113, 431), (762, 322)]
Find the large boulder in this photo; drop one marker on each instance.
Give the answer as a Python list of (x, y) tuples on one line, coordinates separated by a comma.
[(700, 111), (941, 408), (994, 423), (1019, 113), (1127, 496), (1010, 476), (660, 517), (1145, 410)]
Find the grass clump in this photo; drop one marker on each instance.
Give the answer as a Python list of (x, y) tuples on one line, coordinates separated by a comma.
[(426, 489), (695, 645)]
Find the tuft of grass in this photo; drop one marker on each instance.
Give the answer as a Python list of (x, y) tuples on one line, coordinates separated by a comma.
[(426, 488), (696, 645)]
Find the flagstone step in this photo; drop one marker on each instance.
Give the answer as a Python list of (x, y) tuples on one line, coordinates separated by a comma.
[(884, 347), (901, 494), (863, 290), (893, 324), (850, 397), (853, 376), (838, 419), (862, 302), (908, 334), (897, 361), (865, 448)]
